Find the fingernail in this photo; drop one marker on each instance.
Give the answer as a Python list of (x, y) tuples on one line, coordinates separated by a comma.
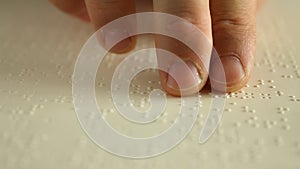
[(185, 73), (112, 36), (233, 69)]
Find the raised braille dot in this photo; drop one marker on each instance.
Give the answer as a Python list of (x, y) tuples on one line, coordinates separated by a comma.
[(292, 97), (256, 125), (149, 88), (284, 119), (286, 127), (216, 109), (249, 121), (286, 109), (243, 97), (252, 111), (261, 81), (267, 124), (274, 123), (278, 141), (286, 66), (237, 124), (279, 93), (41, 106), (245, 107), (233, 103)]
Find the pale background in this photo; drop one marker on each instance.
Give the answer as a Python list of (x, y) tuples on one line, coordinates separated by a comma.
[(38, 125)]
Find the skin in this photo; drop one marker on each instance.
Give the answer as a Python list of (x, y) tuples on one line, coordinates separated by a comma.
[(228, 24)]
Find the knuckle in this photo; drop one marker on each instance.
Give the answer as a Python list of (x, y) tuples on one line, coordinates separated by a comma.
[(233, 19), (237, 24)]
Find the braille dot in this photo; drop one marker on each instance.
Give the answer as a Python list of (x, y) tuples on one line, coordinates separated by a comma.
[(286, 127), (41, 106), (279, 93), (20, 112), (254, 117), (249, 121), (245, 107), (261, 81), (242, 91), (252, 111), (286, 109), (267, 124), (286, 66), (273, 123), (278, 141), (284, 119), (243, 97), (233, 103), (256, 125), (237, 124), (216, 109)]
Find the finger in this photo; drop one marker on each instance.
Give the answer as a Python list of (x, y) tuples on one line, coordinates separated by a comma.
[(234, 36), (197, 13), (73, 7), (144, 6), (104, 11)]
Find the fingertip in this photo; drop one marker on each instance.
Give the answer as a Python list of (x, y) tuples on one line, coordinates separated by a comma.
[(124, 46), (182, 79), (230, 76), (116, 40)]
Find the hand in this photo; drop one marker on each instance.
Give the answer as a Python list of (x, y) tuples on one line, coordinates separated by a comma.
[(229, 24)]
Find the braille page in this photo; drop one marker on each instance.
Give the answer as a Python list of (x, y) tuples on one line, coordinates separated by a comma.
[(39, 128)]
